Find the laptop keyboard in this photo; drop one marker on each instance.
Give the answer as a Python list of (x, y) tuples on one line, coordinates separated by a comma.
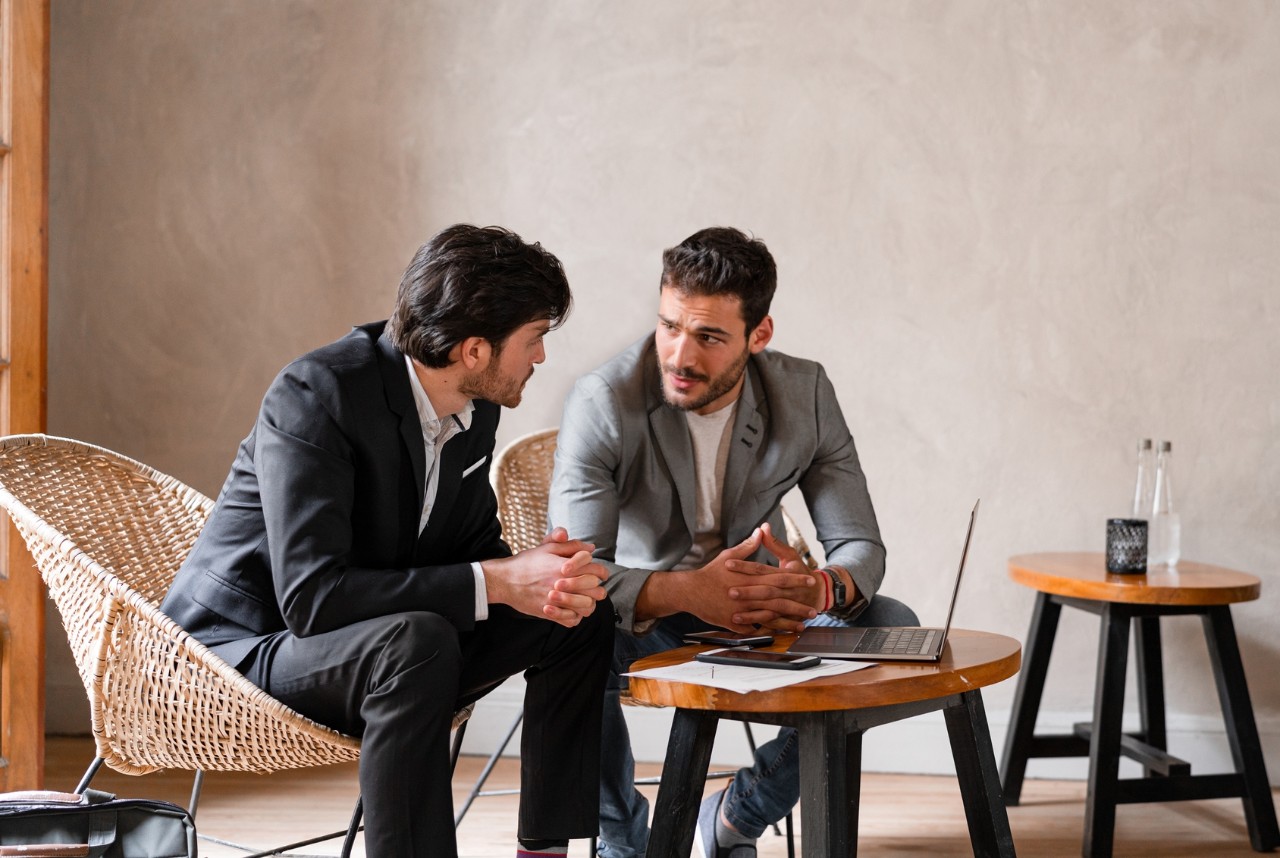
[(905, 641)]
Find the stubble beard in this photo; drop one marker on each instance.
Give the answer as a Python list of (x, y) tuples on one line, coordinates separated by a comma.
[(716, 387)]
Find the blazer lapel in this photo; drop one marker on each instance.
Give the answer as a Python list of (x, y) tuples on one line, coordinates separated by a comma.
[(745, 445), (395, 380), (672, 443)]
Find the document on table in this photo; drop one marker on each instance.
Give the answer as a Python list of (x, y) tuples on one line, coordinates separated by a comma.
[(747, 679)]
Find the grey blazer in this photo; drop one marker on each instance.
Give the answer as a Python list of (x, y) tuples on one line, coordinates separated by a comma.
[(624, 477)]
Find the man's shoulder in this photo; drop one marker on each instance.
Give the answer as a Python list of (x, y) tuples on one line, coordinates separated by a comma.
[(624, 375), (777, 367), (356, 352), (628, 366)]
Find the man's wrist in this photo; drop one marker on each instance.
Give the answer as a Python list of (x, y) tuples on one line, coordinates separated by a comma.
[(837, 592), (854, 600)]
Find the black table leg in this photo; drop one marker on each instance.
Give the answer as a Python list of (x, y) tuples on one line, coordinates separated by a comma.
[(684, 774), (1150, 668), (830, 779), (1104, 743), (979, 781), (1026, 701), (1242, 731)]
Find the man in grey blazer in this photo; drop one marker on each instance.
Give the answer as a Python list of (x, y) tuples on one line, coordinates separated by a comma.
[(672, 459), (354, 567)]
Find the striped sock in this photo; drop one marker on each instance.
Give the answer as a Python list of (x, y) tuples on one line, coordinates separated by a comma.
[(540, 848)]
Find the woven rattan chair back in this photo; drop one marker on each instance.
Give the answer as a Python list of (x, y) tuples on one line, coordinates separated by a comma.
[(108, 534), (522, 482)]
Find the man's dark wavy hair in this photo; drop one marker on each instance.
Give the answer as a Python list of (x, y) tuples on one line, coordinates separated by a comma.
[(470, 281), (721, 260)]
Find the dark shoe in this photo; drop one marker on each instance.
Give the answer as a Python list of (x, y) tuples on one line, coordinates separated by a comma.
[(706, 845)]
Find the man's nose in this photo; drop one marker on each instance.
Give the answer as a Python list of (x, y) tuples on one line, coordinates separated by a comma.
[(682, 353), (540, 353)]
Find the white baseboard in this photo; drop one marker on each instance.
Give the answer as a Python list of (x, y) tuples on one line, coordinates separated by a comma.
[(914, 746)]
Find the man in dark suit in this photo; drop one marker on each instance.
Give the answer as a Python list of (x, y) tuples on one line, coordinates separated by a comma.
[(354, 567)]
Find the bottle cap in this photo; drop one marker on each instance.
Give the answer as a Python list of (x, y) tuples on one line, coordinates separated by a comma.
[(1166, 446), (1144, 444)]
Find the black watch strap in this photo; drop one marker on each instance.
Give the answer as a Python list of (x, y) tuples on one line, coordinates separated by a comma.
[(838, 594)]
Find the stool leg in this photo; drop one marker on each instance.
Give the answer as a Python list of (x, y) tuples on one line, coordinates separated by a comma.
[(1150, 666), (979, 782), (1104, 744), (1242, 731), (1026, 701), (684, 774)]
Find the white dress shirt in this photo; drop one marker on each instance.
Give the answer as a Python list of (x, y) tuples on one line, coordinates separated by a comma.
[(435, 434)]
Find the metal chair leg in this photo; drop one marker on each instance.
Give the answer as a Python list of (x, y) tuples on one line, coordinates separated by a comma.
[(488, 769), (88, 775)]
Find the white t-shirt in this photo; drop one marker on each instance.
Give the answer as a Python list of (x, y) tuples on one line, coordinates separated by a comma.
[(710, 434)]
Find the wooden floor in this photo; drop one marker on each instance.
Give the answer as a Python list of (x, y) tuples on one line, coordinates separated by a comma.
[(901, 815)]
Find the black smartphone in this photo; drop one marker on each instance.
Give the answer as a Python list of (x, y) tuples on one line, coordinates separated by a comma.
[(756, 658), (723, 638)]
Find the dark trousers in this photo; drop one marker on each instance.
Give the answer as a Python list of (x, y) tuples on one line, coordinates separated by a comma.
[(396, 681)]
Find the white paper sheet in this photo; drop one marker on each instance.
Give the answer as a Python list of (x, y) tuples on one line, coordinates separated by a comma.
[(747, 679)]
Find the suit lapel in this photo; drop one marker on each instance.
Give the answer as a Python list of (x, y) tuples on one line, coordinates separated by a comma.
[(395, 380), (745, 445), (672, 442)]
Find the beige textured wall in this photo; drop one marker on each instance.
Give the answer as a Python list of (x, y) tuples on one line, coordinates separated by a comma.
[(1019, 236)]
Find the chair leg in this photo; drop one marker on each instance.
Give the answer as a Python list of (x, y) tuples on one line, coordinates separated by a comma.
[(350, 841), (488, 769), (197, 784), (88, 775)]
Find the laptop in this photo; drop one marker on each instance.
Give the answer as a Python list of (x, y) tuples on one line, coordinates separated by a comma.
[(887, 643)]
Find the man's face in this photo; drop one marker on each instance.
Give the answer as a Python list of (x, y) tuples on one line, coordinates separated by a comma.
[(510, 366), (703, 346)]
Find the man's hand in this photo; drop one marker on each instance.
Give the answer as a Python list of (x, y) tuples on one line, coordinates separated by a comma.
[(764, 592), (557, 580), (766, 600)]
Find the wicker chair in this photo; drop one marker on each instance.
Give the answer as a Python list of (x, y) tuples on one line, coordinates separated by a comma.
[(108, 534), (521, 478)]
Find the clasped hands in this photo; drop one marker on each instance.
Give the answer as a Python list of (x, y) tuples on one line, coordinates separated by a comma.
[(558, 579), (744, 595)]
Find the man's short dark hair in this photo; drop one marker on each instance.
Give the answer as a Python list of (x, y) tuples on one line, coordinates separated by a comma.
[(470, 281), (721, 260)]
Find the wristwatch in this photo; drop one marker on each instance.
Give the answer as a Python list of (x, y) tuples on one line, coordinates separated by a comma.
[(839, 609), (837, 589)]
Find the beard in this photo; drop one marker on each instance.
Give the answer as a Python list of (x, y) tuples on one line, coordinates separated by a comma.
[(492, 385), (716, 387)]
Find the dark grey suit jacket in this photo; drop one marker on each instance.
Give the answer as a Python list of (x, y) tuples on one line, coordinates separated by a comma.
[(316, 526), (624, 477)]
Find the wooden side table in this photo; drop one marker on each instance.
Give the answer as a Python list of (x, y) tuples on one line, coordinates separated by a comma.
[(1081, 580), (831, 714)]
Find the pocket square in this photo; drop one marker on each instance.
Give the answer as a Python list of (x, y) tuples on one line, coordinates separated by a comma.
[(473, 466)]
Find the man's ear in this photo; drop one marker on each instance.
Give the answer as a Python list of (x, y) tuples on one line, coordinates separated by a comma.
[(760, 337), (474, 353)]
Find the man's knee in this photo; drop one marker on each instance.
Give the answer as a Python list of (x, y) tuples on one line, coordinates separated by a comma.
[(887, 611), (410, 640)]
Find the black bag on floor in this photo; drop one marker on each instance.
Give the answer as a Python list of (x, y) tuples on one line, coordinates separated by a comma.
[(41, 824)]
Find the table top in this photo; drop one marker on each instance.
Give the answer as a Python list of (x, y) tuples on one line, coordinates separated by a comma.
[(1084, 575), (970, 660)]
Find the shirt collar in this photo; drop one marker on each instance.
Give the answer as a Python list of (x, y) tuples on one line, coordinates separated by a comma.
[(426, 413)]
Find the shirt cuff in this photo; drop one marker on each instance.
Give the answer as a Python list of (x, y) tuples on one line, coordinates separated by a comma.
[(482, 593)]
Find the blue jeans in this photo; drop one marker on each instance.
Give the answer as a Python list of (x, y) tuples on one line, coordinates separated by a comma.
[(758, 796)]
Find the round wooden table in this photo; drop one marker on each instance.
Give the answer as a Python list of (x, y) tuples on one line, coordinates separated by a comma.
[(831, 713), (1081, 580)]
